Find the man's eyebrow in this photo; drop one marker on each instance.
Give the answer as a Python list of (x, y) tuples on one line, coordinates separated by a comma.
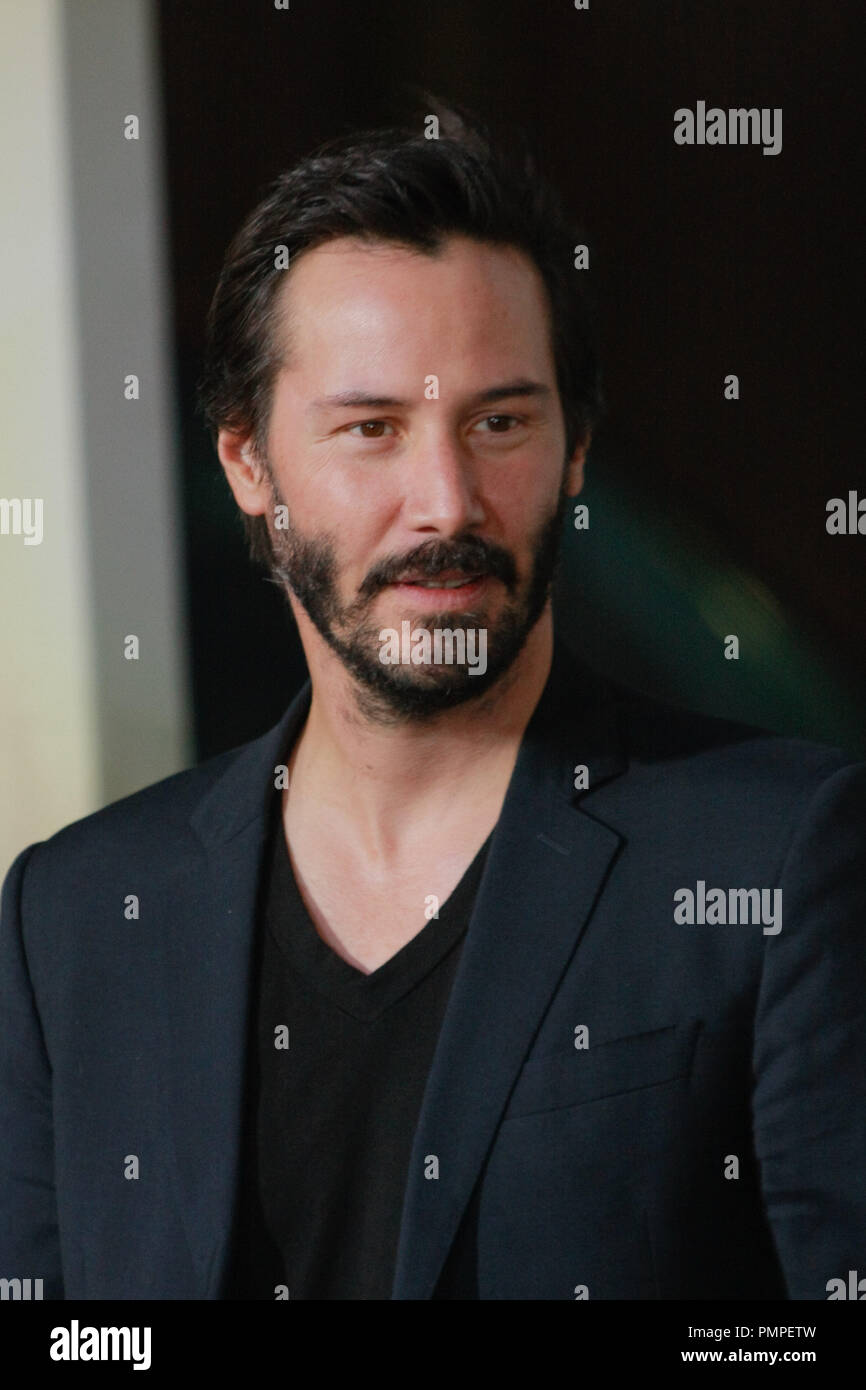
[(348, 399), (507, 390)]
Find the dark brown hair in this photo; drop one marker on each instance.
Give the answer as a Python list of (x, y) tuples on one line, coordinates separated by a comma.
[(389, 185)]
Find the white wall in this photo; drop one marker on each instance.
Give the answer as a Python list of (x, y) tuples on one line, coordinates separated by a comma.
[(82, 290)]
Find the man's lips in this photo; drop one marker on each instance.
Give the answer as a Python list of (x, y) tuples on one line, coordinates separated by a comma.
[(443, 588)]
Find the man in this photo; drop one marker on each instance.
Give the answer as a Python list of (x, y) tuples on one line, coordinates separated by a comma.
[(478, 976)]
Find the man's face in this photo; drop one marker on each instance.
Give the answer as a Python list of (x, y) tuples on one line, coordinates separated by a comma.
[(416, 435)]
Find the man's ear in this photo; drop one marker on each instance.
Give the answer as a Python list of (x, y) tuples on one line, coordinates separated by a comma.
[(575, 465), (247, 476)]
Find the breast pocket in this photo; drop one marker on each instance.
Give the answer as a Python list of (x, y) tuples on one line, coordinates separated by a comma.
[(609, 1068)]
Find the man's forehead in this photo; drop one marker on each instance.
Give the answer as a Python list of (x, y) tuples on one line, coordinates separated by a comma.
[(351, 292)]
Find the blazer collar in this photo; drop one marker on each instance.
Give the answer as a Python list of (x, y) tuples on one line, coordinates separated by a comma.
[(546, 863), (243, 794), (207, 983)]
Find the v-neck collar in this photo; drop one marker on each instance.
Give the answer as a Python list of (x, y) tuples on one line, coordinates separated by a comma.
[(365, 997)]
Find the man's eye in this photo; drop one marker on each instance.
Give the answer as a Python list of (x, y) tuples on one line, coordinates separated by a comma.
[(370, 429), (499, 424)]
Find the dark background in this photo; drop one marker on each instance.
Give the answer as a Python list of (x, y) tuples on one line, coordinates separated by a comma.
[(707, 516)]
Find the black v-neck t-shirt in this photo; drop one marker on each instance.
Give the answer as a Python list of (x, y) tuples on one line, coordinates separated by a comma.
[(331, 1116)]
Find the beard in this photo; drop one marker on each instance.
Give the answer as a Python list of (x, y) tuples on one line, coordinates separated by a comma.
[(389, 694)]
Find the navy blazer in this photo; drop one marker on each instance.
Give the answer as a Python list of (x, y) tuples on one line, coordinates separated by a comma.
[(622, 1104)]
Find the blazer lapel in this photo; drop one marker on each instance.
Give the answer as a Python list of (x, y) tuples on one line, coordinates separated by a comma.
[(206, 989), (546, 865)]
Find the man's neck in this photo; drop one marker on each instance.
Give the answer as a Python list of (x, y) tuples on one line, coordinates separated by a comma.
[(391, 786)]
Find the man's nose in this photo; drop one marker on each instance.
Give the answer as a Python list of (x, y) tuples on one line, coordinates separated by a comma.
[(441, 490)]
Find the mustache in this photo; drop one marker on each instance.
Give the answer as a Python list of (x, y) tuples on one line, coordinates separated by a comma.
[(472, 555)]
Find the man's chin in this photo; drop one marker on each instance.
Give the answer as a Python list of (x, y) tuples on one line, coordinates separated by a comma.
[(397, 686), (420, 692)]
